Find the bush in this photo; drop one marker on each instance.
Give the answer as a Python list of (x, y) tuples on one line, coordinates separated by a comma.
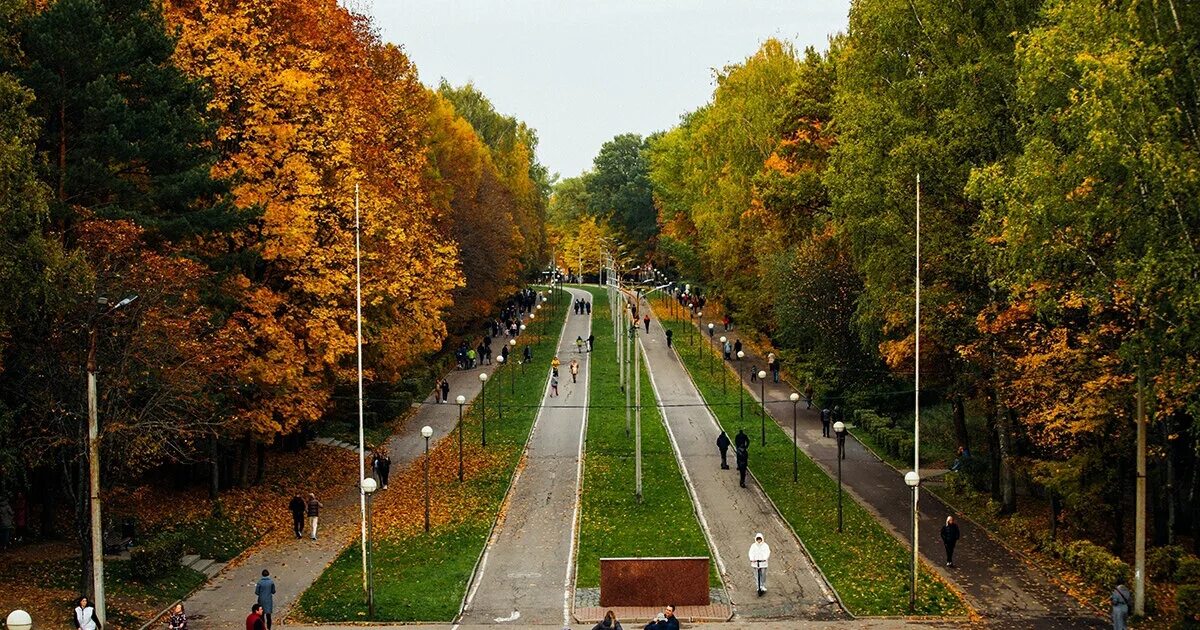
[(156, 557), (1188, 571), (1095, 562), (1163, 562), (1188, 600), (958, 483)]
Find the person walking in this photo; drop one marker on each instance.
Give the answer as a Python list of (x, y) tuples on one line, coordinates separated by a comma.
[(727, 349), (723, 446), (384, 468), (609, 622), (773, 366), (950, 536), (742, 455), (177, 620), (591, 341), (314, 513), (753, 373), (554, 383), (265, 590), (646, 321), (578, 344), (737, 347), (254, 621), (574, 370), (445, 389), (85, 615), (298, 507), (808, 393), (825, 414), (759, 553), (554, 363), (471, 358), (670, 334), (1121, 601)]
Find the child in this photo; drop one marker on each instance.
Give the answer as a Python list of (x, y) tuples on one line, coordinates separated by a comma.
[(554, 384)]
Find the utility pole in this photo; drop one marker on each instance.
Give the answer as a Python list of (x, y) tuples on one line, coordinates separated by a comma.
[(637, 387), (1139, 571)]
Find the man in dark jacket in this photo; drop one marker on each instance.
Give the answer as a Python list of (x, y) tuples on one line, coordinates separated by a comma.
[(950, 536), (298, 508), (670, 333), (723, 446), (666, 620), (743, 462), (741, 440)]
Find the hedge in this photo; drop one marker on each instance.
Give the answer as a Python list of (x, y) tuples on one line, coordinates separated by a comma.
[(1097, 563), (156, 557)]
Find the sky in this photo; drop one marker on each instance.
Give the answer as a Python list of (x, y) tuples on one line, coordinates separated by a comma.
[(583, 71)]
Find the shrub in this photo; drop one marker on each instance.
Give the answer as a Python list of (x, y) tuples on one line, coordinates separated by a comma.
[(156, 557), (1095, 562), (1188, 571), (958, 483), (1188, 600), (1163, 562)]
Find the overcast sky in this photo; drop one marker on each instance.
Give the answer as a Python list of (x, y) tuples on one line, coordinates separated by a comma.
[(583, 71)]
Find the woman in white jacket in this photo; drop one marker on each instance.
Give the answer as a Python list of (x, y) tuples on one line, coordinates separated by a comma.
[(759, 554)]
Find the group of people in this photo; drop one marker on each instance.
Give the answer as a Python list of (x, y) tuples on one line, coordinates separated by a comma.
[(582, 307), (666, 620), (741, 451), (572, 367), (311, 508)]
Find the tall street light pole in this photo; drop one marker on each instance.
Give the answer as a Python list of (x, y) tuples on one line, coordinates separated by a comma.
[(741, 389), (762, 401), (461, 400), (913, 480), (368, 486), (97, 533), (512, 372), (637, 387), (724, 340), (710, 357), (426, 432), (483, 377), (795, 398), (839, 429)]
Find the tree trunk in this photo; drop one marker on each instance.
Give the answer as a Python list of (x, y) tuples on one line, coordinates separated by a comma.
[(994, 462), (244, 463), (214, 469), (262, 463), (960, 422), (1008, 483)]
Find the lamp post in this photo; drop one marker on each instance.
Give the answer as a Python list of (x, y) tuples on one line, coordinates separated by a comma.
[(795, 398), (368, 485), (461, 400), (483, 377), (762, 400), (741, 389), (512, 372), (724, 340), (710, 359), (18, 620), (839, 429), (97, 534), (710, 330), (426, 432), (539, 308), (500, 394), (913, 480)]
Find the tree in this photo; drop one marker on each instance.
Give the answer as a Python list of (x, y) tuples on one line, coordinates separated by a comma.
[(619, 192)]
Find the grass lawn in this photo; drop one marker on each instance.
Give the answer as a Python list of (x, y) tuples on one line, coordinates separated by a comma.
[(423, 576), (612, 523), (866, 564)]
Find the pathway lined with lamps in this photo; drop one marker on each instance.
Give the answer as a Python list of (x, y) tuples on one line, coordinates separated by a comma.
[(526, 567), (998, 583), (731, 515), (296, 564)]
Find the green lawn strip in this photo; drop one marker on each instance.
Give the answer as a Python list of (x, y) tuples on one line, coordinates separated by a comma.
[(423, 577), (866, 564), (612, 523)]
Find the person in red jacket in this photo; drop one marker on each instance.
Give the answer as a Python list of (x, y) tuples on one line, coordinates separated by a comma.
[(254, 621)]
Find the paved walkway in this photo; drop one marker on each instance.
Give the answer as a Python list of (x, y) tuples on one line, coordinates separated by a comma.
[(632, 623), (730, 514), (525, 575), (225, 601), (1001, 585)]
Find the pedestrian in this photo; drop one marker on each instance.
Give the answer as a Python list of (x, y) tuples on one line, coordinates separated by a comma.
[(85, 615), (808, 392), (1121, 600), (742, 454), (727, 349), (737, 347), (298, 507), (773, 365), (265, 590), (177, 620), (482, 351), (753, 373), (314, 513), (554, 383), (578, 345), (665, 620), (385, 468), (574, 369), (588, 306), (471, 358), (504, 352), (646, 321), (825, 413), (726, 321), (527, 353), (760, 552), (445, 390), (723, 446), (591, 341), (950, 536), (741, 440), (554, 363), (670, 333), (609, 622), (254, 621)]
